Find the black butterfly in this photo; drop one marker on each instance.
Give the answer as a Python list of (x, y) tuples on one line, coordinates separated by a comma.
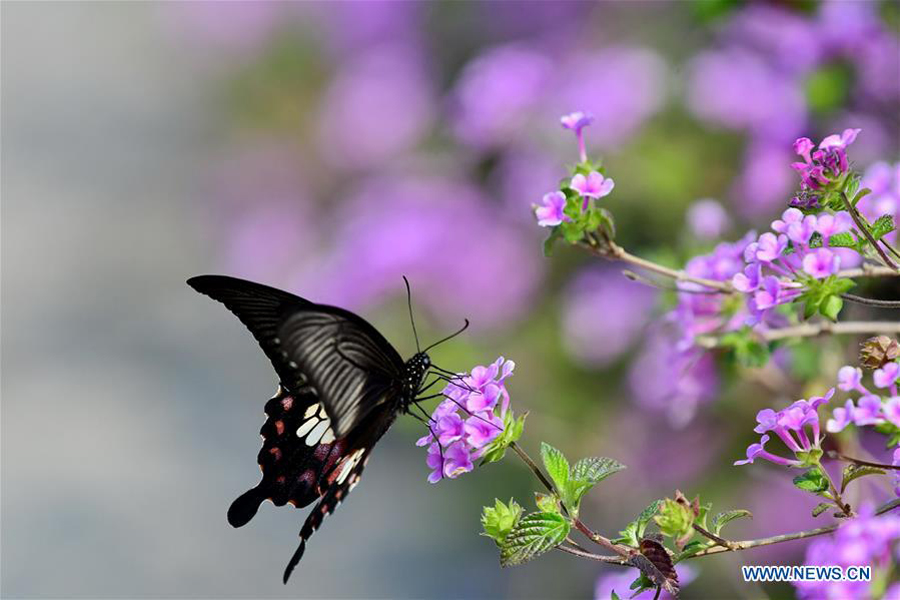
[(342, 385)]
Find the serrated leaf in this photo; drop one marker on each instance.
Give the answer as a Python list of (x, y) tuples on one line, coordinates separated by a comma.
[(842, 240), (595, 469), (812, 481), (532, 536), (557, 466), (882, 226), (820, 508), (853, 471), (721, 519)]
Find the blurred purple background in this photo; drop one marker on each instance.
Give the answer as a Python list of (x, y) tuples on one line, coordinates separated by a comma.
[(329, 149)]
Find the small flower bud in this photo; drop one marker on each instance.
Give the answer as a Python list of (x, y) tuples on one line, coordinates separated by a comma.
[(877, 351)]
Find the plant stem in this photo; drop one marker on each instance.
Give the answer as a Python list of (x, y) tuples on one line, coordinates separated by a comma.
[(871, 301), (836, 495), (709, 534), (857, 218), (812, 330), (611, 250), (533, 466), (865, 463), (744, 545), (587, 531)]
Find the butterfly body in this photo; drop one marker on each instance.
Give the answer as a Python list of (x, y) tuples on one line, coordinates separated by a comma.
[(341, 387)]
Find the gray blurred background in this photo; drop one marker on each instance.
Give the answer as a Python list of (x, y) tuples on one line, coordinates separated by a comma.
[(328, 148)]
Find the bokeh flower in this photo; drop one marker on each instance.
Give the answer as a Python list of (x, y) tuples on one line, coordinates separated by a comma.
[(865, 540), (707, 219)]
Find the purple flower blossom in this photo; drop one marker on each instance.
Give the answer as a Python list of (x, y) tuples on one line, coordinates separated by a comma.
[(619, 581), (595, 185), (842, 416), (887, 375), (821, 263), (707, 219), (462, 426), (891, 410), (868, 411), (828, 225), (551, 213), (797, 426), (826, 164), (850, 378), (896, 462), (577, 121)]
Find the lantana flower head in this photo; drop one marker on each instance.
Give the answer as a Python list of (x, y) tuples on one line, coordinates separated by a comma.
[(825, 165), (797, 426), (468, 420)]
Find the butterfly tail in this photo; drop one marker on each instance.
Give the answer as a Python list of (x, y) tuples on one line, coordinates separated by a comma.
[(245, 506)]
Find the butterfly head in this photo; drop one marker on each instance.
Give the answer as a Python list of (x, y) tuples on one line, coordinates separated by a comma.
[(414, 373)]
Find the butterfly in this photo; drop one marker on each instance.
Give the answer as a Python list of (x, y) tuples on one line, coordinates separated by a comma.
[(341, 386)]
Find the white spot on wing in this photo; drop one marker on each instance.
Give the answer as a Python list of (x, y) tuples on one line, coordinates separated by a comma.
[(311, 411), (307, 426), (328, 437), (316, 434), (349, 463)]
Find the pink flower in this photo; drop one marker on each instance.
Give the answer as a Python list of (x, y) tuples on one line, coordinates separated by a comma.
[(839, 141), (821, 263), (576, 121), (594, 185), (551, 213)]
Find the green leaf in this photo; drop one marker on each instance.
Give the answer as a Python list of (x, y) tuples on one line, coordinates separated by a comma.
[(747, 349), (554, 236), (571, 231), (498, 520), (842, 240), (634, 531), (831, 306), (689, 550), (533, 535), (812, 481), (595, 469), (854, 471), (613, 595), (820, 508), (722, 518), (882, 226), (547, 502), (557, 466)]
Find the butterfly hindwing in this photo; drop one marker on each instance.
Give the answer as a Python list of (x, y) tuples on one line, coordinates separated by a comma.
[(299, 449), (342, 357), (341, 481)]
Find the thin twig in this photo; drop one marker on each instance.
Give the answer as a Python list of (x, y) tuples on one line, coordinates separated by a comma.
[(709, 534), (776, 539), (579, 551), (871, 301), (813, 330), (865, 463), (857, 218), (601, 540)]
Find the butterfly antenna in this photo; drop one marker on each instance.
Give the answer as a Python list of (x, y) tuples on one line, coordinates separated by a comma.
[(411, 319), (449, 337)]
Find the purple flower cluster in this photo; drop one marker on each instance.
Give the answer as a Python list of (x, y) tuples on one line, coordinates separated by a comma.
[(864, 540), (797, 426), (869, 408), (778, 257), (456, 440), (821, 167)]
